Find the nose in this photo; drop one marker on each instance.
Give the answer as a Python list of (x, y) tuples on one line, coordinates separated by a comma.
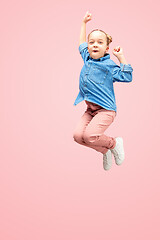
[(95, 44)]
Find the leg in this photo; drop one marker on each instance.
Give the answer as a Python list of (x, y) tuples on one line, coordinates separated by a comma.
[(80, 129), (94, 133), (81, 126)]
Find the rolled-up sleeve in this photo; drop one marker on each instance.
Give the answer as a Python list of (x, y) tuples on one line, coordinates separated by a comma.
[(122, 73), (83, 49)]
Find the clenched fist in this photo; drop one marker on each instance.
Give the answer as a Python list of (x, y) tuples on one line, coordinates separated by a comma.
[(87, 17), (118, 51)]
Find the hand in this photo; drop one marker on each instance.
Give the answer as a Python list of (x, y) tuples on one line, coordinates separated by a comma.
[(118, 51), (87, 17)]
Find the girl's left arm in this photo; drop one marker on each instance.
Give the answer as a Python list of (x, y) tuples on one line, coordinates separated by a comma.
[(122, 73), (122, 59), (118, 52)]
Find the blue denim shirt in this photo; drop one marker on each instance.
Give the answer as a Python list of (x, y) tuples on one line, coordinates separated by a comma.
[(97, 77)]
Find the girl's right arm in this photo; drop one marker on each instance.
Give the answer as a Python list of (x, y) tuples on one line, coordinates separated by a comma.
[(86, 18)]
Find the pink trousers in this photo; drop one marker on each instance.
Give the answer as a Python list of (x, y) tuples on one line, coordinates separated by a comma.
[(91, 127)]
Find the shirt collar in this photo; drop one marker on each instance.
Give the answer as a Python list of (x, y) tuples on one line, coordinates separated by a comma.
[(106, 56)]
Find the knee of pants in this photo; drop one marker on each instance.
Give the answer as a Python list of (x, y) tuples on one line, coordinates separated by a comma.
[(89, 138), (77, 137)]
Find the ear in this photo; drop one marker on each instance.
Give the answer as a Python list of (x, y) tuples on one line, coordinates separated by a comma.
[(107, 48)]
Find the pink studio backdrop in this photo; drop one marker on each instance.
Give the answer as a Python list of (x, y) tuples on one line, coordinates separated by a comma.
[(51, 187)]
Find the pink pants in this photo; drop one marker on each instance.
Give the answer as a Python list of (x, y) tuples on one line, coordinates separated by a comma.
[(91, 127)]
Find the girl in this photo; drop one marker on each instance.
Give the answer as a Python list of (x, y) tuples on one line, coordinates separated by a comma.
[(97, 76)]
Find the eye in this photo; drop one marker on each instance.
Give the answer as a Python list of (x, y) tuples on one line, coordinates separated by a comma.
[(91, 42), (100, 42)]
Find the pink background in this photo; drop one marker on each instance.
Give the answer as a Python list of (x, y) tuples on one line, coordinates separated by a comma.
[(51, 187)]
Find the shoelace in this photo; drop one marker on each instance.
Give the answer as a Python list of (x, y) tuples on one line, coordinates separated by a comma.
[(115, 153)]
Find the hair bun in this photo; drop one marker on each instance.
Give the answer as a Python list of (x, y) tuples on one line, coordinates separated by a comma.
[(109, 38)]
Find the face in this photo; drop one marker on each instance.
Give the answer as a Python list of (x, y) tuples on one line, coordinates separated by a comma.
[(97, 44)]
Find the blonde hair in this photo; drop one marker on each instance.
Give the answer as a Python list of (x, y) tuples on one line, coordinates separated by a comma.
[(108, 37)]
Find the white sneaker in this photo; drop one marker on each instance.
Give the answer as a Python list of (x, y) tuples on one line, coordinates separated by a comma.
[(118, 151), (107, 160)]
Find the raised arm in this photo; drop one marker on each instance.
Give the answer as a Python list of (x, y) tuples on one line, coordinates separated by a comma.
[(118, 52), (86, 18), (122, 73)]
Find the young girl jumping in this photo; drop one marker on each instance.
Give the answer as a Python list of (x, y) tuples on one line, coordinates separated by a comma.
[(97, 76)]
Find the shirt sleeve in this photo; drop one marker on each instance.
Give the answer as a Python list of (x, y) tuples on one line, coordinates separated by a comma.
[(122, 73), (83, 49)]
